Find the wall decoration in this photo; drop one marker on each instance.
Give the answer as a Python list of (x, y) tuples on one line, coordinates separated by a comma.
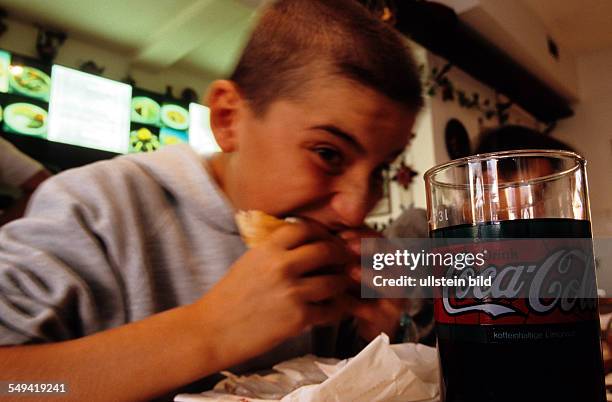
[(404, 175), (91, 67), (457, 139), (48, 43), (437, 81), (189, 95), (128, 79), (3, 26)]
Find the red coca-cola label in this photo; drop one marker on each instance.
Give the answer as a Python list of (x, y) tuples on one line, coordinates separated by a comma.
[(528, 281)]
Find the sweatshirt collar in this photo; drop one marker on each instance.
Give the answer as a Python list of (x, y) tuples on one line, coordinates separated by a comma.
[(186, 176)]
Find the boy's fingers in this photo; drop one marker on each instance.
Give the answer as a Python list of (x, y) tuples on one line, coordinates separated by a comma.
[(370, 310), (358, 233), (313, 256), (296, 234), (322, 287), (354, 272), (353, 237), (332, 311), (354, 245), (365, 310)]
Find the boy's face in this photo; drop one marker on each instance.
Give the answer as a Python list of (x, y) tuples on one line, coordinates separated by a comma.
[(319, 157)]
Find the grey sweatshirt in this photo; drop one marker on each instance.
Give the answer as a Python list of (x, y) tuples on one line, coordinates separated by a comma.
[(115, 242)]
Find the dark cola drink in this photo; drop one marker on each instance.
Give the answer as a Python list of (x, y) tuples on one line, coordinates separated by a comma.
[(533, 333), (533, 353)]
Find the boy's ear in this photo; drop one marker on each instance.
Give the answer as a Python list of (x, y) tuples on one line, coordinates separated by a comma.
[(225, 102)]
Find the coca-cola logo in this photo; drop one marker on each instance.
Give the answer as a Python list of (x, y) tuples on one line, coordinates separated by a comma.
[(563, 281)]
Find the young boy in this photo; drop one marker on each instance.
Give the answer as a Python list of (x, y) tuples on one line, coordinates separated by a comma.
[(128, 278)]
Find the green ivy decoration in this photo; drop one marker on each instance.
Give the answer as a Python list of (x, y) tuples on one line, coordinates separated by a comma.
[(437, 81)]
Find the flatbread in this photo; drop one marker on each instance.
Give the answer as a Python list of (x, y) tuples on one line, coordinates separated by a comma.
[(256, 226)]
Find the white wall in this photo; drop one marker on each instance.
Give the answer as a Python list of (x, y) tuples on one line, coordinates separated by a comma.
[(21, 38), (443, 111), (420, 155), (590, 132)]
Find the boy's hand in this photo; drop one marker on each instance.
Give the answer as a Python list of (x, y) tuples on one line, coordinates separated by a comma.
[(276, 290), (378, 315), (373, 315)]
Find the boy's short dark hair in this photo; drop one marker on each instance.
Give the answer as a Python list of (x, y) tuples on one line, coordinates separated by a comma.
[(296, 41)]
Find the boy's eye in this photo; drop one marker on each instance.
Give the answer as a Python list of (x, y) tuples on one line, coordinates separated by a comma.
[(330, 156)]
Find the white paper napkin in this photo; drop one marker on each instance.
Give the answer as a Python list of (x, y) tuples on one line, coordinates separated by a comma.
[(379, 373)]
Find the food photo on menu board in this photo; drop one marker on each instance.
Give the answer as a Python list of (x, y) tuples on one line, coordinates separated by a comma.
[(156, 122), (148, 139), (26, 119), (144, 139), (170, 136), (5, 63), (145, 110), (64, 105), (175, 116), (23, 110), (24, 76), (29, 81)]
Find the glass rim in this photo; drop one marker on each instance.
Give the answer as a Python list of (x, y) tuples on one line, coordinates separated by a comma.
[(551, 153)]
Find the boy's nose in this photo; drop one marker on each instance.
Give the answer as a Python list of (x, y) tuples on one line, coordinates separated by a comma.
[(352, 206)]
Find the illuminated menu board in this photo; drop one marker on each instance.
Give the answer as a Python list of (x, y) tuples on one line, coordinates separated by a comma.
[(5, 62), (201, 137), (89, 111)]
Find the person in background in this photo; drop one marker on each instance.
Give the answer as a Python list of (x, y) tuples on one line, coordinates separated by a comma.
[(129, 277), (515, 137), (19, 174), (514, 198)]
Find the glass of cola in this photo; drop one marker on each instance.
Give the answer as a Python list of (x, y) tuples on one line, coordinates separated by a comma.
[(533, 333)]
